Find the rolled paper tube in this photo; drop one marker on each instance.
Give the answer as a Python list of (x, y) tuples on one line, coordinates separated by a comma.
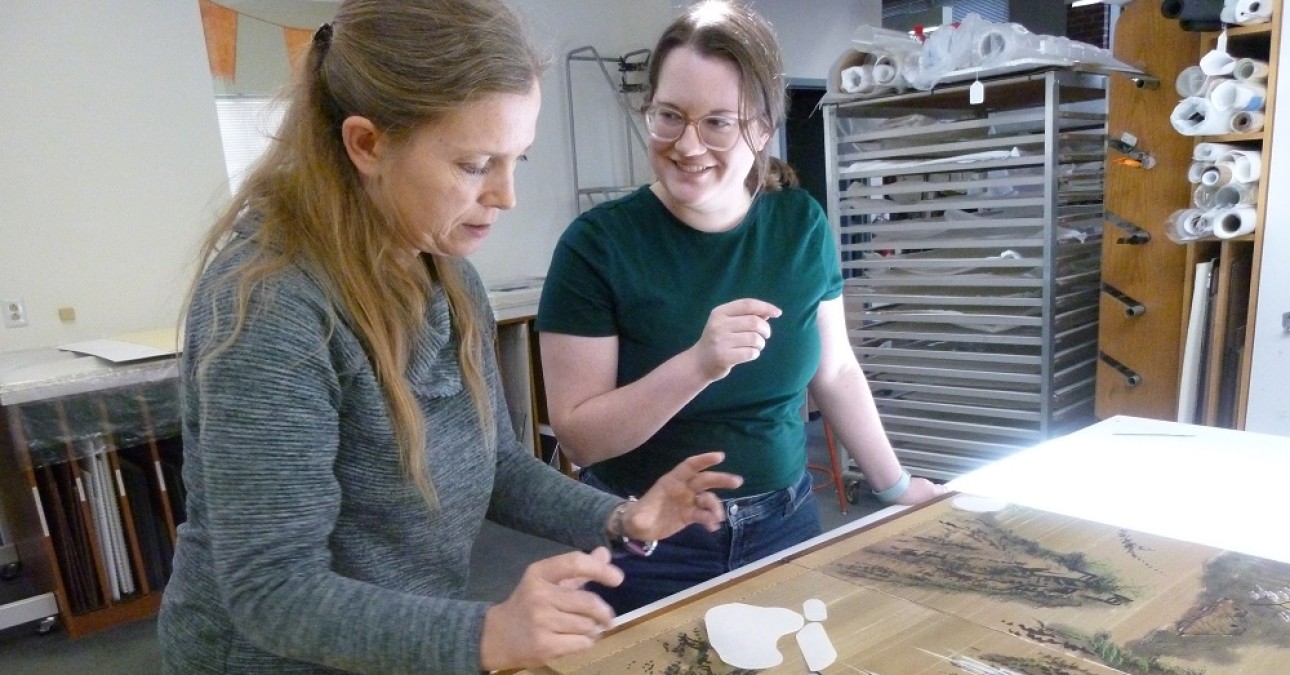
[(1246, 122), (1217, 176), (1235, 194), (857, 80), (1196, 224), (1190, 82), (884, 73), (1005, 42), (1196, 171), (1249, 70), (848, 59), (1238, 96), (1207, 221), (1215, 63), (1185, 225), (1195, 116), (1247, 165), (1203, 197), (1247, 12), (1211, 152), (1235, 222)]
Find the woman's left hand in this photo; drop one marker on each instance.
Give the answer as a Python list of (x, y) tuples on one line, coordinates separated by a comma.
[(681, 497)]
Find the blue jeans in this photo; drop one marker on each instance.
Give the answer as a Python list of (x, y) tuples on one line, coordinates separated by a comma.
[(756, 526)]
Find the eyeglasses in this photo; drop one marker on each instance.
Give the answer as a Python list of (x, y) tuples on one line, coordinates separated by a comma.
[(717, 132)]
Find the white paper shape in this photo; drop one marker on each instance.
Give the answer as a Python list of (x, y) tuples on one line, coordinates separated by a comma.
[(816, 647), (745, 635), (977, 504), (815, 610)]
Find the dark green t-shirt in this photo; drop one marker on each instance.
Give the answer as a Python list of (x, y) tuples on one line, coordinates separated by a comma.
[(629, 268)]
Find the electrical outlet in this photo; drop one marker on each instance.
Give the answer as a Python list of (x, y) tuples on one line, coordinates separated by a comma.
[(15, 313)]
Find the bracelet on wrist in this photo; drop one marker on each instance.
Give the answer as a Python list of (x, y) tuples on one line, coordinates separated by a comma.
[(618, 531), (896, 491)]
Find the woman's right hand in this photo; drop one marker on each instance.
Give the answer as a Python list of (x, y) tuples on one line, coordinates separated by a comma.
[(736, 333), (549, 614)]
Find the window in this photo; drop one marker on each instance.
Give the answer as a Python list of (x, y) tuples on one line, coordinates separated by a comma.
[(246, 126)]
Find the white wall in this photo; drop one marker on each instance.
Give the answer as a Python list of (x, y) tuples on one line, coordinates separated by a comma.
[(1269, 407), (112, 166), (110, 163)]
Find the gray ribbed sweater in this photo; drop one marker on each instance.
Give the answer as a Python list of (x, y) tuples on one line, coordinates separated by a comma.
[(306, 549)]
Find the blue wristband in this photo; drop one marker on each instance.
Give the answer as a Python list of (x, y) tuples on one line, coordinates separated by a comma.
[(896, 491)]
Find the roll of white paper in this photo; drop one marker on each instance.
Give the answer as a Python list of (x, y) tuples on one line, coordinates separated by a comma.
[(1250, 70), (1186, 225), (1247, 12), (1203, 197), (1206, 222), (1246, 122), (884, 71), (1235, 194), (1196, 171), (1216, 176), (857, 80), (1195, 116), (1235, 222), (1005, 42), (1217, 63), (1211, 152), (1238, 96), (1247, 165), (1191, 82)]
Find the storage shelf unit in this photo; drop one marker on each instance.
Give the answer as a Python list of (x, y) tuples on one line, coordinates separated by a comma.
[(970, 238), (1223, 381), (91, 467)]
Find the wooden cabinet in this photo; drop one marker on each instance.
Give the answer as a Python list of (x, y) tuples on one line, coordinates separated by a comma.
[(1140, 351), (90, 466), (1146, 368), (1225, 368)]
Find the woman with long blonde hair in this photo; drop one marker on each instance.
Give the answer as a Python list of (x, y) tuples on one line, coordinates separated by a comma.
[(344, 429)]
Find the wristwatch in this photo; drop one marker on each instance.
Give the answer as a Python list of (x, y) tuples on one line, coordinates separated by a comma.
[(633, 546)]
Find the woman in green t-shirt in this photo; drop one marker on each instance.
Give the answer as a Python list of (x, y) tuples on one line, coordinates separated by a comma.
[(696, 313)]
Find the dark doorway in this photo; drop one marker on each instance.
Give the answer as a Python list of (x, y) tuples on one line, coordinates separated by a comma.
[(804, 138)]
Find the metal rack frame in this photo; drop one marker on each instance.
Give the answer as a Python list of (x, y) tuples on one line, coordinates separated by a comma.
[(633, 61), (972, 288)]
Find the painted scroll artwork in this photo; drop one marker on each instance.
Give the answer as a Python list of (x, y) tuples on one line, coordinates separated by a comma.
[(1015, 591)]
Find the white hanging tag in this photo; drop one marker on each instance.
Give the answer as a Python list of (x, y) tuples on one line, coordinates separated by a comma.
[(1221, 45), (976, 93)]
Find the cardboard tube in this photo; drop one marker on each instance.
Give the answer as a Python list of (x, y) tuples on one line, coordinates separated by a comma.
[(1235, 222), (1216, 176), (1246, 122), (1250, 70)]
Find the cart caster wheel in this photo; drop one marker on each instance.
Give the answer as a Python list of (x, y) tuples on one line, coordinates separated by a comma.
[(10, 571), (47, 625), (853, 492)]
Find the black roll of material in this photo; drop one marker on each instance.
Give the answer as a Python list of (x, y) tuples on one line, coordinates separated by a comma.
[(1194, 15)]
